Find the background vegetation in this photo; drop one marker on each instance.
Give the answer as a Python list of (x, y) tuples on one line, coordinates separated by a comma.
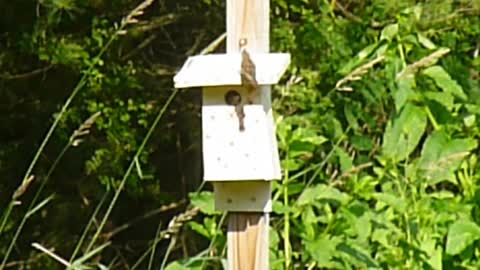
[(376, 122)]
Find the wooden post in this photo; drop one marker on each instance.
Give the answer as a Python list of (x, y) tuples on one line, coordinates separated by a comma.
[(248, 241), (240, 162)]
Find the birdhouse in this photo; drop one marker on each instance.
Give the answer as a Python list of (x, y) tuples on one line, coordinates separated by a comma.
[(239, 147)]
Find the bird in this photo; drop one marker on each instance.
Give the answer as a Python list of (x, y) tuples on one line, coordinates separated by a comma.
[(248, 76), (234, 98)]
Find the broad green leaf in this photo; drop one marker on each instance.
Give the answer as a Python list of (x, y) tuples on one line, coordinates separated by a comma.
[(295, 188), (319, 192), (309, 216), (283, 131), (307, 135), (309, 195), (199, 228), (389, 32), (351, 118), (211, 225), (472, 108), (433, 252), (365, 52), (357, 255), (469, 120), (274, 238), (442, 195), (310, 222), (399, 204), (441, 156), (402, 135), (432, 147), (322, 250), (278, 207), (176, 266), (363, 226), (203, 200), (359, 221), (382, 236), (333, 194), (461, 234), (291, 164), (303, 142), (381, 50), (444, 98), (362, 142), (404, 92), (426, 42), (345, 160), (445, 82)]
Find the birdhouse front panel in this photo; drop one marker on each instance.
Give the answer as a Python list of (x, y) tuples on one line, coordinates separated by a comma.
[(233, 150), (239, 140)]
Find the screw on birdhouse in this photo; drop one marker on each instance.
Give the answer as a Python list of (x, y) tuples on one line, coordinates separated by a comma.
[(234, 98), (242, 43)]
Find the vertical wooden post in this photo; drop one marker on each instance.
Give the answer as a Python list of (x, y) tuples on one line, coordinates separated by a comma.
[(240, 163), (248, 244)]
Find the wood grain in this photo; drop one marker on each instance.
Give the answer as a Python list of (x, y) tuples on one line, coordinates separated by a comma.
[(247, 241), (248, 27)]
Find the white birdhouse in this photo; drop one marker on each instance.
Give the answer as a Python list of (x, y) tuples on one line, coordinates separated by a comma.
[(232, 155)]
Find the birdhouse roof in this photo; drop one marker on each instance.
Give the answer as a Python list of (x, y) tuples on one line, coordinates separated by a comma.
[(224, 69)]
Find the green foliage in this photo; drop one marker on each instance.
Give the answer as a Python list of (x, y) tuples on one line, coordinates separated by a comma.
[(377, 124), (386, 187)]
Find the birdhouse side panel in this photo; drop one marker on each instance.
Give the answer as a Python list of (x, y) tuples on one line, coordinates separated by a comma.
[(266, 98)]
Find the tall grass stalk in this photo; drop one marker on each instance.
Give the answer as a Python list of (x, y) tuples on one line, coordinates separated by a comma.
[(87, 228), (209, 48), (286, 224), (6, 215), (172, 230), (154, 246), (129, 170), (170, 247), (129, 19), (33, 207)]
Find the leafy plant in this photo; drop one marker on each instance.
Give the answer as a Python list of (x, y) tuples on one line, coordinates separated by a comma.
[(377, 124)]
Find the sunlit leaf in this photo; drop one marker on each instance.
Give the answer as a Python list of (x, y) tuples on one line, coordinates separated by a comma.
[(404, 92), (319, 192), (205, 201), (461, 234), (442, 155), (402, 135), (389, 32), (444, 81), (322, 250), (399, 204), (426, 42), (357, 255)]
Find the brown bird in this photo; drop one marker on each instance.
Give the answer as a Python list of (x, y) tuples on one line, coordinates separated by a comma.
[(234, 98), (248, 76)]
